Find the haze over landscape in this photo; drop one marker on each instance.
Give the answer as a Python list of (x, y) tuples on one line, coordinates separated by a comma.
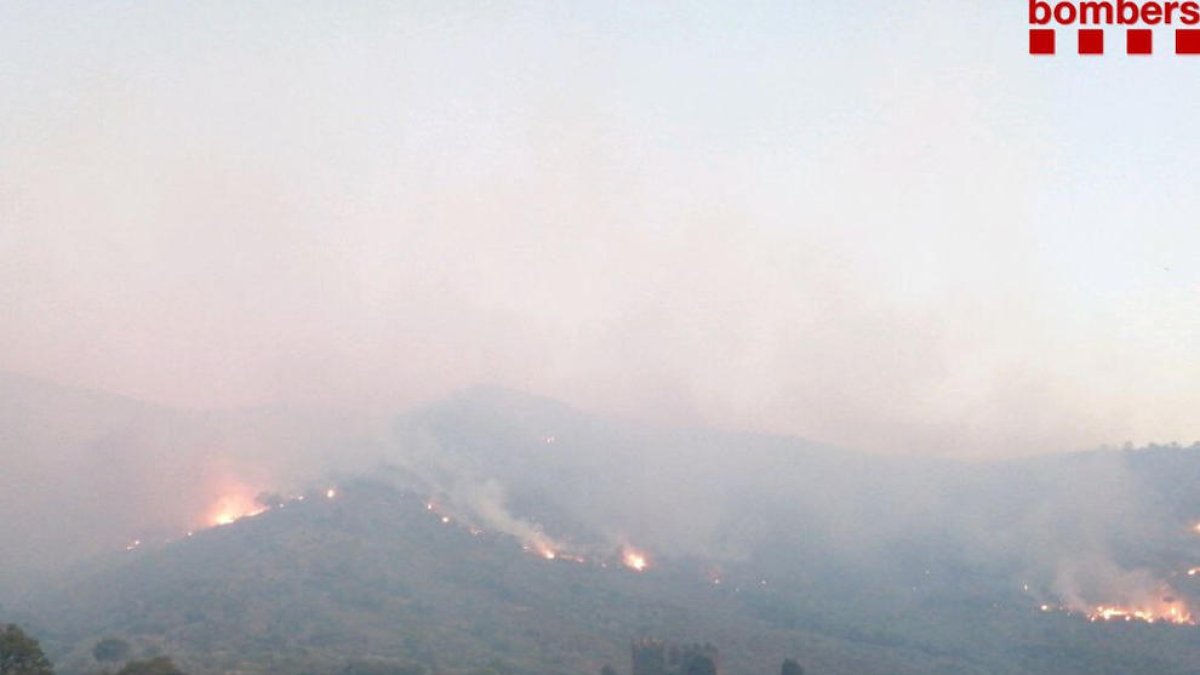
[(337, 331), (920, 245)]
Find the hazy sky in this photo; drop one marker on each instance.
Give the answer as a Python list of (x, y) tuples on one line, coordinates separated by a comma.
[(877, 224)]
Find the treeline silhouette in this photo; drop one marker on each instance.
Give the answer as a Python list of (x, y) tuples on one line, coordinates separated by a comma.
[(21, 654)]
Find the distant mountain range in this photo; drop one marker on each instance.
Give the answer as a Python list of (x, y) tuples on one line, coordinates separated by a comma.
[(493, 532)]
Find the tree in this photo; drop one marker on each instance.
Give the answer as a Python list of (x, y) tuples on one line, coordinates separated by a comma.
[(159, 665), (608, 670), (791, 667), (111, 650), (21, 654)]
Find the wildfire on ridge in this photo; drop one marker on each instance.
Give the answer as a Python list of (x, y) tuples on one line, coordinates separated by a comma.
[(239, 501), (231, 508), (1167, 610), (1162, 606), (539, 544), (634, 559), (1170, 611)]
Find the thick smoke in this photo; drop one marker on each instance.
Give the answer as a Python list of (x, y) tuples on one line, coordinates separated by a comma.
[(343, 228)]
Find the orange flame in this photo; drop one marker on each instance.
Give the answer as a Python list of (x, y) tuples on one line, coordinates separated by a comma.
[(233, 507), (634, 559), (1166, 610)]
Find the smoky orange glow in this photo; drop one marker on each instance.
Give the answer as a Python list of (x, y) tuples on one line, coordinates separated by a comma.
[(231, 507), (1166, 611), (634, 559)]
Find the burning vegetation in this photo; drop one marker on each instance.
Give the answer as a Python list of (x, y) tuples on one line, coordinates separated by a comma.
[(1164, 606), (634, 559), (231, 508), (1170, 611), (1149, 600), (240, 502), (1167, 611), (538, 543)]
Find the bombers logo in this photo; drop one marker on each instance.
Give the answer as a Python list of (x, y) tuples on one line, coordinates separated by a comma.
[(1137, 18)]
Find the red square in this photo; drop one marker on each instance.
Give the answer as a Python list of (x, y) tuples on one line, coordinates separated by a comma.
[(1091, 41), (1041, 41), (1139, 41), (1187, 41)]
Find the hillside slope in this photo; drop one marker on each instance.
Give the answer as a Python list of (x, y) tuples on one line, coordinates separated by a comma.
[(765, 546)]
